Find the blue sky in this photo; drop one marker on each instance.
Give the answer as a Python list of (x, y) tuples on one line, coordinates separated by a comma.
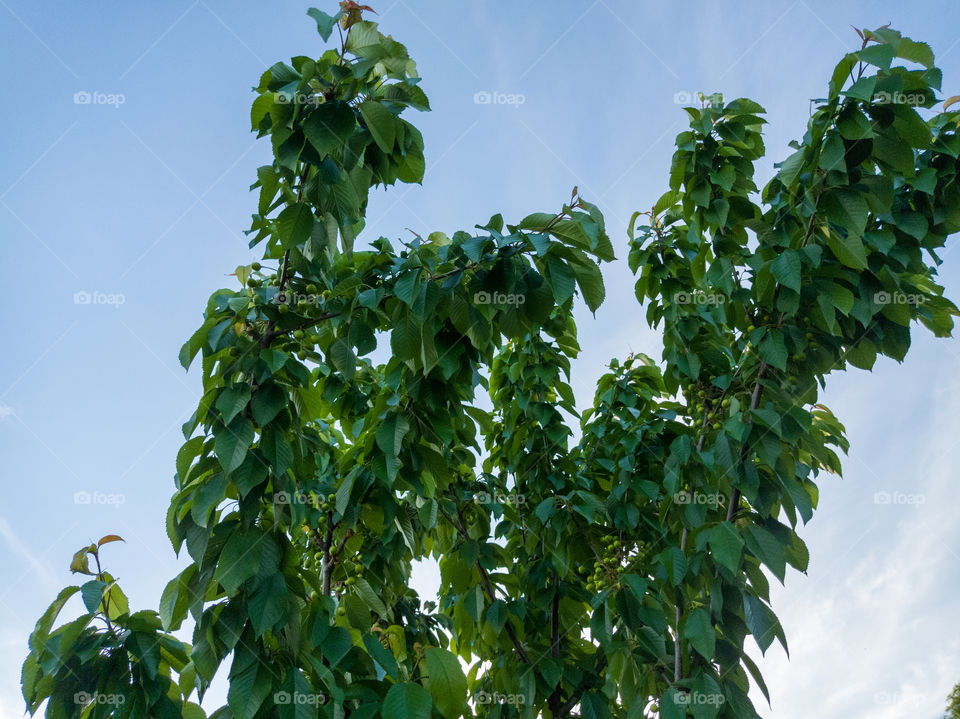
[(140, 199)]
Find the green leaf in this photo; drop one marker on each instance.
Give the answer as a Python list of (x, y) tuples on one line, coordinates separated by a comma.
[(768, 548), (186, 454), (325, 22), (590, 280), (699, 630), (382, 124), (863, 88), (42, 628), (80, 564), (175, 600), (832, 154), (405, 338), (918, 52), (790, 168), (389, 438), (296, 701), (726, 545), (268, 603), (232, 401), (757, 676), (294, 225), (848, 250), (274, 359), (232, 441), (667, 199), (594, 705), (239, 560), (369, 597), (473, 603), (115, 602), (276, 449), (343, 358), (878, 55), (329, 126), (797, 553), (762, 622), (267, 402), (561, 279), (786, 268), (92, 594), (379, 653), (250, 683), (446, 682), (862, 354), (841, 297), (773, 351), (193, 345), (673, 704), (407, 701), (261, 106)]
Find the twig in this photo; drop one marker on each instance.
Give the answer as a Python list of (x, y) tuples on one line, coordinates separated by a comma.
[(745, 450), (487, 585)]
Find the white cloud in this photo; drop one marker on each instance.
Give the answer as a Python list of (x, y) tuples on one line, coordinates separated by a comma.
[(869, 629)]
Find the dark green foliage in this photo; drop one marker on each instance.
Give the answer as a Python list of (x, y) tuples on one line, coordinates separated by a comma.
[(617, 575)]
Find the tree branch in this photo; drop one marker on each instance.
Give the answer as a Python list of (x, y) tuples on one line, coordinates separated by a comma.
[(745, 450), (327, 565), (574, 699), (677, 647), (487, 585), (554, 702)]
